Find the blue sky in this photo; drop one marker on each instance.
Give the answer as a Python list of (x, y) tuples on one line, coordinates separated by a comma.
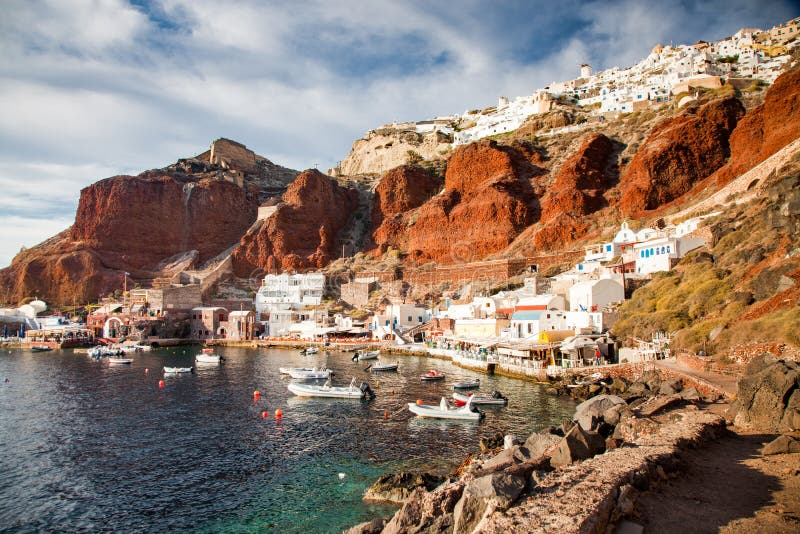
[(95, 88)]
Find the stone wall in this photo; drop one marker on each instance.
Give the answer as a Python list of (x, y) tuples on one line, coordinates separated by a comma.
[(356, 293)]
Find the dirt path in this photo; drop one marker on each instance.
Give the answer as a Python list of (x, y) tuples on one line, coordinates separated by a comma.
[(723, 382), (727, 487)]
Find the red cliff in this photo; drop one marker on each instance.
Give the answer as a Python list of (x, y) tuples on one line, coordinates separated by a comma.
[(678, 153), (303, 232), (766, 128)]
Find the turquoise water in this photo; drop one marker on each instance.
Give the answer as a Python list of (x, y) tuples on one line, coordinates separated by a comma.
[(87, 447)]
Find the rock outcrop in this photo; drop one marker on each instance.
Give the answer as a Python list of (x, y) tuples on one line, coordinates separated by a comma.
[(768, 399), (396, 487), (765, 129), (679, 152), (488, 200), (303, 231), (577, 192), (401, 189), (131, 224), (392, 146)]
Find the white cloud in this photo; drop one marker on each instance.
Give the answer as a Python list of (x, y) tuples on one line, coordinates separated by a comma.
[(21, 232)]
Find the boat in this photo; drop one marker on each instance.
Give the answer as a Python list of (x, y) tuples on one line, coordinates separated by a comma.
[(41, 348), (313, 374), (468, 384), (360, 356), (466, 413), (495, 398), (177, 370), (310, 350), (103, 352), (380, 366), (208, 356), (117, 360), (431, 375), (327, 390), (288, 370)]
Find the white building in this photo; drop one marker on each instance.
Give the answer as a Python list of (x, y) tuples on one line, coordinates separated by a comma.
[(662, 253), (593, 295), (529, 324), (400, 317), (289, 291)]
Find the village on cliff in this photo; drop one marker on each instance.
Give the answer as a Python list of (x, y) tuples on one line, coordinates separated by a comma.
[(529, 314)]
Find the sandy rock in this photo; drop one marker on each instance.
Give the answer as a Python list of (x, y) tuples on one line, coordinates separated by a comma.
[(691, 394), (396, 487), (613, 415), (588, 413), (670, 386), (485, 495), (375, 526), (577, 445), (634, 428), (762, 399), (506, 458), (782, 445), (428, 512), (619, 385), (541, 444), (660, 403)]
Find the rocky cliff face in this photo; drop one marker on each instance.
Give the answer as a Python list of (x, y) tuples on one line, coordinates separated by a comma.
[(488, 200), (765, 129), (131, 224), (386, 148), (577, 192), (678, 153), (303, 231)]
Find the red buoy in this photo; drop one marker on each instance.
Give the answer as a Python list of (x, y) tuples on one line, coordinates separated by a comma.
[(385, 415), (256, 395), (161, 384), (278, 413), (419, 402), (264, 414)]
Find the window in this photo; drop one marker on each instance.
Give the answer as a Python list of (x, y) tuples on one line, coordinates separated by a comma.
[(669, 247), (409, 318), (608, 248)]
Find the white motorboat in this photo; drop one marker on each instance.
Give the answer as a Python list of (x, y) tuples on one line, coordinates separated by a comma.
[(310, 350), (468, 384), (380, 366), (495, 398), (313, 374), (177, 370), (288, 370), (208, 356), (116, 360), (361, 356), (326, 390), (443, 411)]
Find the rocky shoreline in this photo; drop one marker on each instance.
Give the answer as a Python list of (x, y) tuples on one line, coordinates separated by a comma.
[(586, 475)]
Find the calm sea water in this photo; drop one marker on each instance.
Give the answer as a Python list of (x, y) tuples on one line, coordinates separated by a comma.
[(88, 447)]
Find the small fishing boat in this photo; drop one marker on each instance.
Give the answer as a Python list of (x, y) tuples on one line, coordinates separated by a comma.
[(288, 370), (177, 370), (41, 348), (380, 366), (361, 356), (310, 350), (468, 384), (495, 398), (443, 411), (117, 360), (432, 375), (327, 390), (313, 374), (208, 356)]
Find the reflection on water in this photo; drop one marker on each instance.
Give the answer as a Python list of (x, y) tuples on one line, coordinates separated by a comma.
[(85, 446)]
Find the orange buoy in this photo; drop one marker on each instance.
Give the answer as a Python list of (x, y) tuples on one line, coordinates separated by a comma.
[(256, 394), (278, 413), (419, 402), (385, 415), (161, 384), (264, 414)]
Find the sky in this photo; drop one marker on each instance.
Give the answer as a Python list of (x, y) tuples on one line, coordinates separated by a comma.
[(95, 88)]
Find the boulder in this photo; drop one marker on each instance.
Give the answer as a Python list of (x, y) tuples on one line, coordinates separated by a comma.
[(637, 389), (613, 415), (509, 441), (506, 458), (370, 527), (691, 394), (631, 429), (482, 496), (490, 443), (767, 401), (427, 511), (660, 403), (782, 445), (396, 487), (540, 444), (577, 445), (619, 385), (589, 412), (759, 363), (652, 379), (670, 386)]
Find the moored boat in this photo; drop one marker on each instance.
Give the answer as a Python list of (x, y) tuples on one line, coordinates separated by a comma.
[(288, 370), (326, 390), (468, 384), (310, 350), (361, 356), (41, 348), (380, 366), (208, 356), (432, 375), (443, 411), (313, 374), (495, 398), (177, 370), (117, 360)]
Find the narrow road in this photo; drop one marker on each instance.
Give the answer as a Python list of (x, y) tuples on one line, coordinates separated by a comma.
[(724, 382)]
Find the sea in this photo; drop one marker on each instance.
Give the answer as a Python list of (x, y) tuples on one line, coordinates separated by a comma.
[(88, 447)]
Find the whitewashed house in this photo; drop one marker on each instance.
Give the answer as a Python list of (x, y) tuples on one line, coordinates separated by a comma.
[(529, 324), (593, 295), (289, 291), (662, 253)]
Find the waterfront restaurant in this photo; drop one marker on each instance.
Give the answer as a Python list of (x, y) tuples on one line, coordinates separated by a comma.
[(61, 336)]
